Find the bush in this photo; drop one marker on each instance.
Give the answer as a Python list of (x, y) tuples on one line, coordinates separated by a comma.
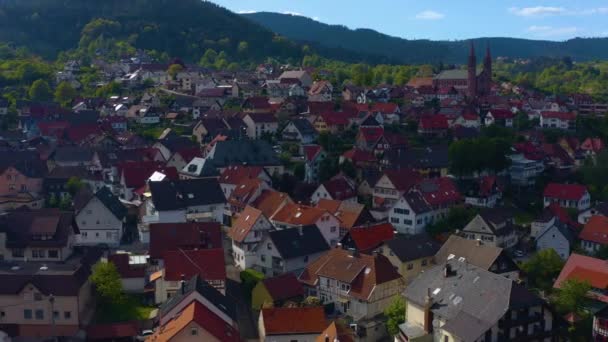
[(249, 279)]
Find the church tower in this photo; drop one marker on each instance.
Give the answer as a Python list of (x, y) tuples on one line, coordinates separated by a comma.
[(487, 71), (472, 72)]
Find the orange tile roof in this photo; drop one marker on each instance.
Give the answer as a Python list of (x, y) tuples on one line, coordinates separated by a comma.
[(298, 214), (347, 213), (596, 230), (279, 321), (237, 174), (248, 217), (336, 332), (362, 271), (585, 268), (329, 205), (270, 201), (203, 317)]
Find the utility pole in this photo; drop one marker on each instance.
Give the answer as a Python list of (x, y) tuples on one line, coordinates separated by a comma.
[(52, 301)]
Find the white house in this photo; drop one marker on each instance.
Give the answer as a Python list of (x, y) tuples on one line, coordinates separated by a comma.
[(259, 124), (559, 120), (493, 227), (293, 215), (100, 218), (556, 236), (573, 196), (246, 233)]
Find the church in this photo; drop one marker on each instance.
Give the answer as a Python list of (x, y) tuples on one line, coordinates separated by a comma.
[(475, 82)]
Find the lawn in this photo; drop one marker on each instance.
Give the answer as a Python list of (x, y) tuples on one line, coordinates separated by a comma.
[(131, 309)]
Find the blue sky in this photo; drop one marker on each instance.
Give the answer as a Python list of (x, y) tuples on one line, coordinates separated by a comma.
[(449, 19)]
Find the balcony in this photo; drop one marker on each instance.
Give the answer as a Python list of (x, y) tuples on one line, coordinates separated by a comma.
[(521, 320)]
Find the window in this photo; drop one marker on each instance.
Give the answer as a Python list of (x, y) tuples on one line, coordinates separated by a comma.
[(194, 332), (23, 187), (410, 266), (18, 253), (56, 314), (108, 235), (96, 234), (37, 297), (27, 314), (424, 262), (89, 212), (38, 253), (39, 314), (394, 220), (53, 254), (332, 229), (67, 314), (269, 246), (2, 314), (263, 258), (401, 211)]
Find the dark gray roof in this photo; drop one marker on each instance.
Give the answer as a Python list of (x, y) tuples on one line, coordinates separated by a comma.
[(174, 195), (413, 248), (416, 202), (244, 152), (563, 229), (474, 252), (223, 303), (111, 202), (498, 221), (469, 299), (298, 242), (427, 157), (200, 167), (26, 162), (304, 126), (73, 154)]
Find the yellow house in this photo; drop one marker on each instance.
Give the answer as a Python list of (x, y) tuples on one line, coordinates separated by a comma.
[(410, 255), (276, 291)]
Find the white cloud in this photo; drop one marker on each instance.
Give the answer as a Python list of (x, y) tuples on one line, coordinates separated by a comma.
[(556, 32), (246, 11), (430, 15), (537, 11)]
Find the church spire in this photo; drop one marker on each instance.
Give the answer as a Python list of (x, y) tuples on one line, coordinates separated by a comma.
[(472, 72)]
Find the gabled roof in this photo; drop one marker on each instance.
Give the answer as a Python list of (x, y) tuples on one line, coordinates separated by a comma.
[(437, 121), (340, 188), (175, 195), (585, 268), (287, 321), (596, 230), (283, 287), (190, 235), (183, 264), (197, 313), (371, 134), (403, 179), (237, 174), (137, 173), (565, 116), (27, 163), (73, 154), (107, 198), (410, 248), (38, 228), (475, 253), (243, 224), (336, 118), (298, 214), (311, 151), (243, 152), (438, 191), (304, 126), (363, 272), (262, 117), (366, 238), (298, 242), (359, 156), (571, 192), (501, 114)]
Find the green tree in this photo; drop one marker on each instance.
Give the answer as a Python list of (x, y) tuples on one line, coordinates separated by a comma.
[(395, 314), (175, 69), (65, 93), (243, 48), (40, 91), (107, 282), (543, 268), (74, 185), (571, 296)]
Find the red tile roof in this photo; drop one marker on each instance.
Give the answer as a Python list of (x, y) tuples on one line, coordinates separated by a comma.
[(311, 151), (283, 321), (565, 116), (499, 114), (439, 191), (371, 134), (571, 192), (369, 237), (126, 270), (182, 264), (339, 188), (203, 317), (593, 144), (284, 287), (243, 224), (136, 173), (359, 156), (336, 118), (385, 108), (172, 236), (436, 121), (79, 133), (237, 174), (486, 185), (596, 230), (190, 153), (270, 201), (584, 268), (403, 179), (298, 214)]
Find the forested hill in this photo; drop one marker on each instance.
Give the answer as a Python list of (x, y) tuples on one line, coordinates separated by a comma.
[(180, 28), (370, 42)]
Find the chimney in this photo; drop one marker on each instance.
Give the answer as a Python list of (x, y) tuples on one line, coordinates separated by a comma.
[(428, 315), (183, 284), (478, 242)]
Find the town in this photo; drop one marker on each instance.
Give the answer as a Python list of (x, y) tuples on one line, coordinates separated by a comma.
[(183, 202)]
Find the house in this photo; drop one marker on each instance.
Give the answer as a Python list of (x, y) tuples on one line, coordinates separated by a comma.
[(197, 290), (183, 156), (410, 255), (594, 234), (558, 120), (501, 117), (28, 288), (468, 120), (233, 176), (332, 122), (260, 124), (100, 218), (367, 239), (245, 152), (166, 237), (585, 268), (567, 196), (133, 176), (483, 192), (436, 124), (524, 170), (132, 270), (21, 172), (289, 250), (600, 325), (195, 322), (389, 141), (300, 131), (300, 77), (208, 127), (291, 324), (198, 168), (293, 215), (426, 202), (271, 201), (430, 161), (184, 264), (601, 208), (350, 214), (483, 255), (246, 233), (391, 186), (358, 285), (313, 156), (457, 301), (277, 291), (556, 236), (339, 188), (493, 226), (176, 201), (368, 136), (37, 235), (321, 91)]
